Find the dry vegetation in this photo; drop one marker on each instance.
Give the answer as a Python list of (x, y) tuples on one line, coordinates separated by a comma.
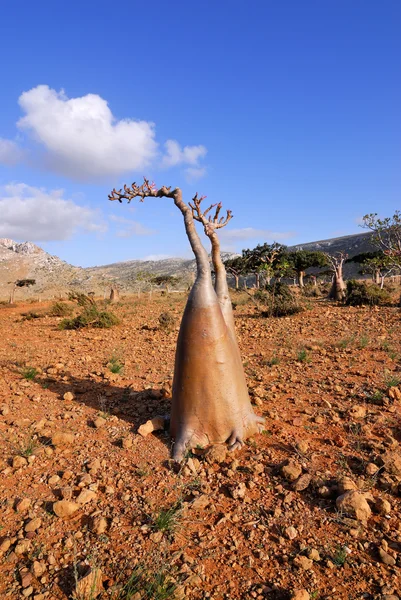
[(260, 523)]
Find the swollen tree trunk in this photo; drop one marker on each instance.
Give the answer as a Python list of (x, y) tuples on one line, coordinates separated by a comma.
[(236, 277), (257, 281), (210, 401), (114, 295), (301, 278), (338, 287)]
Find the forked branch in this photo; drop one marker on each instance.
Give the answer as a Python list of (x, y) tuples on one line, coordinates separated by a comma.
[(210, 223)]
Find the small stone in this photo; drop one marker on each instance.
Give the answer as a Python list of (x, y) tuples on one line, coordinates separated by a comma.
[(19, 461), (53, 480), (382, 506), (26, 579), (371, 469), (65, 508), (358, 412), (5, 545), (394, 393), (62, 438), (86, 496), (291, 471), (22, 547), (302, 483), (155, 424), (200, 502), (300, 595), (355, 504), (314, 555), (157, 537), (38, 568), (94, 466), (239, 491), (68, 396), (345, 485), (216, 453), (99, 525), (4, 410), (302, 446), (99, 422), (33, 524), (90, 586), (291, 532), (302, 562), (127, 443), (27, 591), (386, 558), (23, 505)]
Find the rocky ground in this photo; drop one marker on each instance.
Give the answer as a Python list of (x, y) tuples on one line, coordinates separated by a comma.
[(309, 509)]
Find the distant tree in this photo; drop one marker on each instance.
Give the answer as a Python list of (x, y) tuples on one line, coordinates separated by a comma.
[(386, 235), (167, 281), (262, 260), (336, 263), (304, 259), (20, 283), (236, 267), (377, 264)]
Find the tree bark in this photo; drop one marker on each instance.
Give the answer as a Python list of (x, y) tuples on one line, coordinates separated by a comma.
[(301, 278)]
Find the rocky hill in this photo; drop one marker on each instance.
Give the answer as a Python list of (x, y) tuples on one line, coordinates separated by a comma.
[(54, 277)]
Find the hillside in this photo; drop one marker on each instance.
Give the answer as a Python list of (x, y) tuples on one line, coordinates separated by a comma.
[(55, 277)]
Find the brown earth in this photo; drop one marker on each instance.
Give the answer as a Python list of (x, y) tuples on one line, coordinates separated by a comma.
[(268, 521)]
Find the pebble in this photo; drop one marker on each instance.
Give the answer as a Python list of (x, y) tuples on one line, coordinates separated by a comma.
[(382, 506), (33, 524), (62, 438), (301, 595), (291, 471), (355, 504), (90, 586), (386, 558), (19, 461), (155, 424), (68, 396), (216, 453), (86, 496), (65, 508), (99, 422), (23, 505)]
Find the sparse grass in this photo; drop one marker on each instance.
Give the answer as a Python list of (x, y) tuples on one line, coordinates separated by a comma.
[(28, 446), (303, 356), (167, 520), (29, 373), (375, 398), (270, 362), (363, 341), (340, 556), (115, 364), (345, 342), (144, 584), (391, 380)]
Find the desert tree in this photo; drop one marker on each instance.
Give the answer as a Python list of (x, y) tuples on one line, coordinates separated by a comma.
[(336, 264), (236, 267), (20, 283), (114, 295), (377, 264), (386, 235), (210, 401), (302, 260), (262, 259), (168, 281)]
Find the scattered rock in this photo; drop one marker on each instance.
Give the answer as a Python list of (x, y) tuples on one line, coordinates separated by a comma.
[(394, 393), (302, 446), (371, 469), (99, 525), (301, 595), (355, 504), (239, 491), (155, 424), (33, 525), (62, 438), (99, 422), (345, 485), (302, 483), (386, 558), (65, 508), (127, 443), (392, 463), (19, 461), (23, 505), (216, 453), (68, 396), (200, 502), (90, 586), (291, 532), (86, 496), (382, 506), (302, 562), (38, 568), (314, 555), (291, 471)]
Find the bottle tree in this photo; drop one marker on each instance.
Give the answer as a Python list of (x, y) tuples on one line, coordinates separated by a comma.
[(236, 267), (210, 401), (336, 263)]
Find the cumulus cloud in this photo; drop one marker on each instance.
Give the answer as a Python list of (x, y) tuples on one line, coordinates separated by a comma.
[(38, 215), (250, 233), (81, 139), (195, 173), (175, 155), (10, 153)]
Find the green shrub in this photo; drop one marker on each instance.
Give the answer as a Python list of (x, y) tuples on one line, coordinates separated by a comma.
[(60, 309), (279, 300), (360, 294), (31, 315), (311, 291), (91, 315)]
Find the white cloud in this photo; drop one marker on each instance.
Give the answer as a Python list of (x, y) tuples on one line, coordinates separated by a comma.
[(134, 228), (29, 213), (175, 155), (81, 139), (250, 233), (153, 257), (81, 136), (10, 153), (195, 173)]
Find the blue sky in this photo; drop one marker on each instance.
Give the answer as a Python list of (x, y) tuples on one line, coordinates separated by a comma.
[(287, 112)]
